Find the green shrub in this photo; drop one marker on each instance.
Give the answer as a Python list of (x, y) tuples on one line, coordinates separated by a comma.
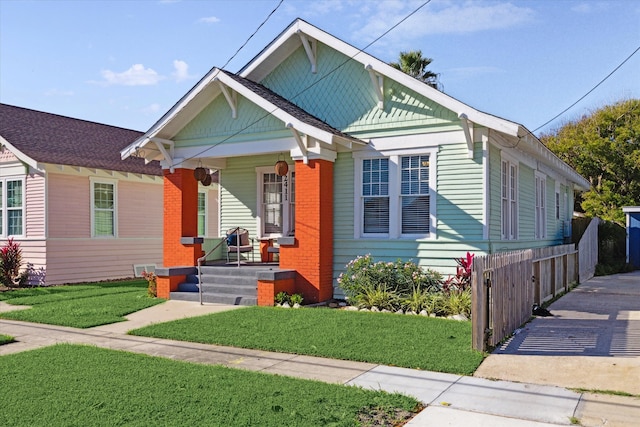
[(282, 297), (377, 295), (417, 300), (612, 249), (400, 278), (296, 299), (458, 302)]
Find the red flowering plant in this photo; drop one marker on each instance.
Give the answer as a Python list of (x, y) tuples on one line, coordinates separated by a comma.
[(10, 263), (462, 280), (151, 278)]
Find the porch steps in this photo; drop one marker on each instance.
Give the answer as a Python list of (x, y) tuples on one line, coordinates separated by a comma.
[(222, 285)]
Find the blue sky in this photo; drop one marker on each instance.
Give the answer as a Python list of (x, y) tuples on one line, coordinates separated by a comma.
[(125, 63)]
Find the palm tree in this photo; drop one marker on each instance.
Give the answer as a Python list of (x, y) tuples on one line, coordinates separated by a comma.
[(415, 65)]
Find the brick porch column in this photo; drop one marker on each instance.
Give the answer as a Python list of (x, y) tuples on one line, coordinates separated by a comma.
[(180, 226), (312, 253)]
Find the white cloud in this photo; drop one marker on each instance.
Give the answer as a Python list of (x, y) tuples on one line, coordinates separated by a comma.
[(137, 75), (209, 20), (181, 70), (451, 18), (590, 7)]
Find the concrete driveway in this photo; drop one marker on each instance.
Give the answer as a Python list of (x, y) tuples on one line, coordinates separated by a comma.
[(591, 342)]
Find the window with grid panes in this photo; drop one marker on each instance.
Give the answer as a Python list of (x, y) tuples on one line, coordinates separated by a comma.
[(375, 195), (414, 194)]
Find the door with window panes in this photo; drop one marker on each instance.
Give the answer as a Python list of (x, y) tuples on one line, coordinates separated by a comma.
[(277, 204)]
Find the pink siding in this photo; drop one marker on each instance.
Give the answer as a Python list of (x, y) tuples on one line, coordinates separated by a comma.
[(68, 206), (7, 156), (35, 212), (81, 260), (140, 209)]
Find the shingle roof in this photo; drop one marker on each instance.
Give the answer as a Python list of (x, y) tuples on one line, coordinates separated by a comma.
[(289, 107), (54, 139)]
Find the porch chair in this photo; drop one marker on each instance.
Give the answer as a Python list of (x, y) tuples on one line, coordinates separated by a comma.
[(238, 240)]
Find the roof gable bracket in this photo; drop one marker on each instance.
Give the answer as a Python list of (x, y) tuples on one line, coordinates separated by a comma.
[(301, 143), (378, 85), (310, 47), (168, 156), (466, 127), (231, 97)]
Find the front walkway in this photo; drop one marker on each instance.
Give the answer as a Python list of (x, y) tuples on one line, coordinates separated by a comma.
[(450, 399)]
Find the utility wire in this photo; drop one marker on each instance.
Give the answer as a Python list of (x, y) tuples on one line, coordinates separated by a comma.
[(586, 94), (254, 33), (360, 50)]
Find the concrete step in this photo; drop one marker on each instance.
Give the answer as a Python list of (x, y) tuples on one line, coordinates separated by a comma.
[(218, 298)]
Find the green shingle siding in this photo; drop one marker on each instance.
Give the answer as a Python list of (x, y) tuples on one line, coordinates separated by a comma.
[(341, 93)]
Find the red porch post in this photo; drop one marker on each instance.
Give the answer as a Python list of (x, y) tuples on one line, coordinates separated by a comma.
[(180, 226), (312, 253)]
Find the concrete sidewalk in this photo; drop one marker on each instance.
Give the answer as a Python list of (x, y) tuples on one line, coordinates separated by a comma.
[(452, 400)]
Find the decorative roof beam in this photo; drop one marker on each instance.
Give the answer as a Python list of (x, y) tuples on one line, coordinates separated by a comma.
[(310, 47), (230, 96), (301, 144), (466, 127), (378, 85), (168, 156)]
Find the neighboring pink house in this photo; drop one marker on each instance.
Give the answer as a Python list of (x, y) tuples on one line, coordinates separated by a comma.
[(79, 212)]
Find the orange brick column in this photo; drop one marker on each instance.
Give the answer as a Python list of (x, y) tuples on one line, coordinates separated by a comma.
[(180, 220), (312, 254)]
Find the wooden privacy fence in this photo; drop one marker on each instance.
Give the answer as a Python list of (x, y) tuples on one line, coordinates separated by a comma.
[(505, 286)]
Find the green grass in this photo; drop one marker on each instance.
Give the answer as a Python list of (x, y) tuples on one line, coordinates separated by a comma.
[(408, 341), (80, 306), (5, 339), (89, 386)]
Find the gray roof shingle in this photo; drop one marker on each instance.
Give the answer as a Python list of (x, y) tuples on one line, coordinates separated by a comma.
[(289, 107), (54, 139)]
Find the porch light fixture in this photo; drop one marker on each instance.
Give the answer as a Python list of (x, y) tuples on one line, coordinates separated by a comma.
[(199, 173), (207, 180), (281, 167)]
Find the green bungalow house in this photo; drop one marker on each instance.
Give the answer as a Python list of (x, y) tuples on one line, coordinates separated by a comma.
[(378, 162)]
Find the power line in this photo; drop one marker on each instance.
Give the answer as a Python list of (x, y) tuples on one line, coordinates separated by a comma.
[(586, 94), (251, 36), (359, 50)]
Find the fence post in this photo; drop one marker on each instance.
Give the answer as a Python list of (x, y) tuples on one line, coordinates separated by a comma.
[(479, 307)]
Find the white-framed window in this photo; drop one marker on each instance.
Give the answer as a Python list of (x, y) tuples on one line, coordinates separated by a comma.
[(558, 205), (541, 206), (509, 199), (415, 194), (394, 197), (276, 209), (202, 213), (375, 196), (12, 202), (104, 218)]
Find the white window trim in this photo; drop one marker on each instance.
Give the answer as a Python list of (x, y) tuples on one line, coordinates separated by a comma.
[(540, 231), (511, 162), (206, 212), (114, 182), (558, 213), (5, 208), (395, 172), (286, 226)]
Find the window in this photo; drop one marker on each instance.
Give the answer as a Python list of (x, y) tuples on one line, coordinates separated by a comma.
[(414, 190), (202, 214), (375, 195), (276, 201), (12, 207), (509, 200), (395, 198), (103, 203), (541, 207), (557, 205)]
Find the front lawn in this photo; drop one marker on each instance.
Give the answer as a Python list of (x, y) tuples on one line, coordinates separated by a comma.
[(80, 306), (89, 386), (408, 341)]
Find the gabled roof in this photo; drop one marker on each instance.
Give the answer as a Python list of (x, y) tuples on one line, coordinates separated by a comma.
[(274, 104), (36, 138)]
